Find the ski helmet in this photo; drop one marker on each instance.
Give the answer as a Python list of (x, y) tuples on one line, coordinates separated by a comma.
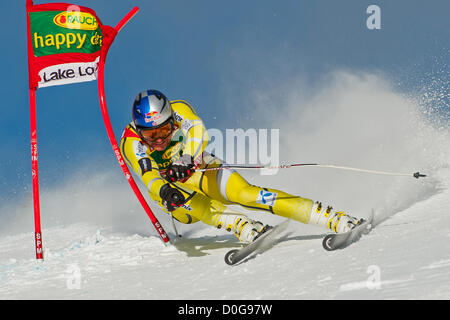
[(151, 109)]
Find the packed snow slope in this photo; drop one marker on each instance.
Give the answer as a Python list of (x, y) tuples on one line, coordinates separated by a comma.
[(99, 243)]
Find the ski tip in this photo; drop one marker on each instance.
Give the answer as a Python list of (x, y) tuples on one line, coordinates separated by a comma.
[(327, 243), (229, 257)]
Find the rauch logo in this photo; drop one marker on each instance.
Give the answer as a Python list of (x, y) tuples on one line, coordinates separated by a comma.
[(76, 20)]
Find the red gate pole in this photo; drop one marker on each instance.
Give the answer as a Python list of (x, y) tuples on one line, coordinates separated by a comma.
[(112, 139), (35, 177), (34, 153)]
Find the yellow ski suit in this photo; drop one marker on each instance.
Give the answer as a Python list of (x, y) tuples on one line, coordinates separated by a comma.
[(209, 192)]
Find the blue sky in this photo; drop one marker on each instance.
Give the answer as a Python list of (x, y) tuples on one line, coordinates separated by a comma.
[(203, 51)]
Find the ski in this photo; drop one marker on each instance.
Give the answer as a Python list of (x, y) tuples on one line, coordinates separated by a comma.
[(341, 240), (235, 256)]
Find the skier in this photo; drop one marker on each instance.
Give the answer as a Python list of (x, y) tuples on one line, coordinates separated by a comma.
[(165, 143)]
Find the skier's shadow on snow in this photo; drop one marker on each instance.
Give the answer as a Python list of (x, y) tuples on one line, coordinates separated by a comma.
[(196, 247), (284, 238)]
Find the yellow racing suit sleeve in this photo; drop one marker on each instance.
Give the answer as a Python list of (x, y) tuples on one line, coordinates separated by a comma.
[(193, 129), (136, 154)]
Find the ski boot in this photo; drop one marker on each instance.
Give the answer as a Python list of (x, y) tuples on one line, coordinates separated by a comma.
[(264, 230), (245, 229), (336, 221)]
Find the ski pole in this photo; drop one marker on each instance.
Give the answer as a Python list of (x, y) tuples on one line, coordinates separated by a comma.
[(286, 166)]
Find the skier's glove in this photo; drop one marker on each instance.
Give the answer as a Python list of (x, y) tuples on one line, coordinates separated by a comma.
[(181, 169), (172, 198)]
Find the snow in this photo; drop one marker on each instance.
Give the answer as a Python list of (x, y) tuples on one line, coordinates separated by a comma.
[(81, 262), (100, 245)]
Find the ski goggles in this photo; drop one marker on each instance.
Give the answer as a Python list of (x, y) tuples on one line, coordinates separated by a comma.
[(152, 135)]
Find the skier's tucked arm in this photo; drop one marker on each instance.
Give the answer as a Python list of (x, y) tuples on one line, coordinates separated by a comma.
[(193, 129), (196, 140)]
